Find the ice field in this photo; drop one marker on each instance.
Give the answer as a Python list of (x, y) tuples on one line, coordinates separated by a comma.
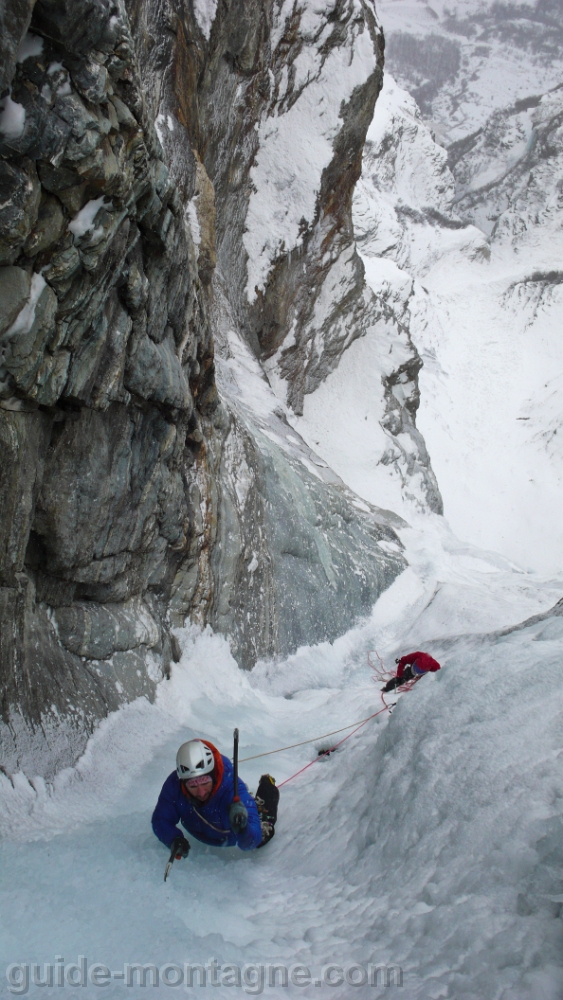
[(432, 840)]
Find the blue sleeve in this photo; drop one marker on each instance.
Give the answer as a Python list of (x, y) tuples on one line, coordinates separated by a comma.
[(251, 836), (166, 815)]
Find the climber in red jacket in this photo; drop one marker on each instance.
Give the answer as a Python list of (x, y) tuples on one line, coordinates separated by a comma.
[(410, 668)]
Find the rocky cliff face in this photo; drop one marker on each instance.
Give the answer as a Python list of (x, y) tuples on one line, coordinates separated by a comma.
[(106, 377), (176, 180)]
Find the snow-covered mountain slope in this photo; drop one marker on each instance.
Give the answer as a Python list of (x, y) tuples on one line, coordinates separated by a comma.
[(487, 78), (507, 172), (285, 236), (403, 224), (491, 414), (482, 306), (463, 60), (431, 840)]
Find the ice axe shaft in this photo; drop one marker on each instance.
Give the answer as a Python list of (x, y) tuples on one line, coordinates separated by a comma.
[(238, 813), (235, 766)]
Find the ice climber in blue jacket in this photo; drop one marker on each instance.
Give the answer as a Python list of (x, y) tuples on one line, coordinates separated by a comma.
[(199, 795)]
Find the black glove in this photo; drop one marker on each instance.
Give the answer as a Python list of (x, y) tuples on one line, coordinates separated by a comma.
[(397, 660), (238, 817), (181, 847)]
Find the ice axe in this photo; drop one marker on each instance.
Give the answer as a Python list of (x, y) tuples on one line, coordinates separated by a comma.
[(238, 813), (176, 852), (170, 862), (235, 766)]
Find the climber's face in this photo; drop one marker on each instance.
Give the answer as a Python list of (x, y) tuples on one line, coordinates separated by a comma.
[(200, 788)]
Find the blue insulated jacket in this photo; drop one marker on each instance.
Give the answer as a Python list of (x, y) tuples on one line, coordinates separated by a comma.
[(207, 822)]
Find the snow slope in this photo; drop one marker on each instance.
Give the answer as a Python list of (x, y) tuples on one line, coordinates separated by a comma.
[(463, 60), (485, 317), (485, 306), (491, 406), (431, 840)]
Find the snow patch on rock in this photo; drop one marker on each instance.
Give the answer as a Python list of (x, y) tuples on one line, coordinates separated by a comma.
[(296, 143), (25, 319), (31, 45), (205, 11), (12, 118), (85, 219)]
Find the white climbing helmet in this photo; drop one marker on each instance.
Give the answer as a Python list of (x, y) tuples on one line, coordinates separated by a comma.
[(194, 759)]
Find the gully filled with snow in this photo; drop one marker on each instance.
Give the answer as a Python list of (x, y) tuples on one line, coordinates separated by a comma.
[(293, 503), (431, 840)]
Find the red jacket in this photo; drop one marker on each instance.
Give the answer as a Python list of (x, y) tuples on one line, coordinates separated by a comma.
[(423, 662)]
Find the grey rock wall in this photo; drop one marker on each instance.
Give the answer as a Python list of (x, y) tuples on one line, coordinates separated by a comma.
[(106, 380), (133, 499)]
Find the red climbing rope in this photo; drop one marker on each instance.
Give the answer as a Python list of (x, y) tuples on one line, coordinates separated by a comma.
[(343, 740), (380, 675)]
